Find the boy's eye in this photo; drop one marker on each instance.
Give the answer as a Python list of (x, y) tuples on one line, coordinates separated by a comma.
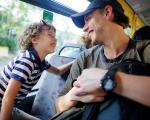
[(51, 35)]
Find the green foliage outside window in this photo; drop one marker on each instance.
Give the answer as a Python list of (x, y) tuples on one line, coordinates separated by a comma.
[(12, 23), (9, 42)]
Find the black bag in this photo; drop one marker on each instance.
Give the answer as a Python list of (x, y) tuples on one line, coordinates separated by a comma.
[(130, 110), (71, 114)]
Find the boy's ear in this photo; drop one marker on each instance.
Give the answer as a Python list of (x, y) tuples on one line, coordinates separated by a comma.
[(34, 40), (108, 12)]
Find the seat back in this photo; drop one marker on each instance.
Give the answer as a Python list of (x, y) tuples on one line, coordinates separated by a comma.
[(49, 89)]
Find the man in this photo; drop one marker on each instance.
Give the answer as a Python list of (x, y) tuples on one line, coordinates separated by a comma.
[(104, 21)]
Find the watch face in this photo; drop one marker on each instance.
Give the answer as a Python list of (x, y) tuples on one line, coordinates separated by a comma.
[(108, 81), (109, 85)]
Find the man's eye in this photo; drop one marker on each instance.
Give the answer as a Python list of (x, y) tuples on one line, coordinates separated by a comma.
[(88, 17)]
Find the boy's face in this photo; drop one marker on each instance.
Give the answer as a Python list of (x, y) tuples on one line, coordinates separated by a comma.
[(46, 41)]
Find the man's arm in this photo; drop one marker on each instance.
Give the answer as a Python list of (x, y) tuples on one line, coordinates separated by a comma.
[(130, 86), (81, 93), (64, 102), (133, 87)]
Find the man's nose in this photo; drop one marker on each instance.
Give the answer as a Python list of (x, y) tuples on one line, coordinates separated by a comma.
[(85, 28)]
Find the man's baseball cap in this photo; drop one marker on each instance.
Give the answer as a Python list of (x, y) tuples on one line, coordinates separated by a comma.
[(78, 18)]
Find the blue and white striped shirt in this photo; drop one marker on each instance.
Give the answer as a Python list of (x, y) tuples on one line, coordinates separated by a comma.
[(27, 69)]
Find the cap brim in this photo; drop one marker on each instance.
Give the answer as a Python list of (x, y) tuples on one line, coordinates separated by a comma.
[(78, 18)]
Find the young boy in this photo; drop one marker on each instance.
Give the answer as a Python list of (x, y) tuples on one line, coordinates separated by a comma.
[(21, 74)]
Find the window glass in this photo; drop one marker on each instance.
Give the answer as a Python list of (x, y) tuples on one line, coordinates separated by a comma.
[(70, 52), (15, 15)]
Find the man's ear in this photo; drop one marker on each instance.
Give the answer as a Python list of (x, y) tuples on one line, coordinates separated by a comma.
[(108, 12)]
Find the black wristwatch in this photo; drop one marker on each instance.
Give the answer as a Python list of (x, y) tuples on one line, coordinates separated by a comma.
[(108, 82)]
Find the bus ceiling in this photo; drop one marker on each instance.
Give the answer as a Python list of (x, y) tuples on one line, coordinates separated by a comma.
[(53, 6), (138, 11), (142, 8)]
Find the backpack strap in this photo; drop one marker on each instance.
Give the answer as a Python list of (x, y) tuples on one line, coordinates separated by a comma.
[(140, 46), (91, 111)]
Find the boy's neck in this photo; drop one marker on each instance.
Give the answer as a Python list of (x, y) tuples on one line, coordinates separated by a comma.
[(41, 55)]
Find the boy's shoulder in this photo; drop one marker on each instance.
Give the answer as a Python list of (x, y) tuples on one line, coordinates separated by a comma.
[(25, 56)]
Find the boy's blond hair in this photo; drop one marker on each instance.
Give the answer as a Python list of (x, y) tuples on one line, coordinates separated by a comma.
[(86, 40), (33, 30)]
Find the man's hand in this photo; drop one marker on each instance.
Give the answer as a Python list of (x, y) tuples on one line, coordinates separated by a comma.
[(65, 102), (87, 88)]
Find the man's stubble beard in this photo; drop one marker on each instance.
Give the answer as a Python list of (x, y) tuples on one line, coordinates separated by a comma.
[(97, 40)]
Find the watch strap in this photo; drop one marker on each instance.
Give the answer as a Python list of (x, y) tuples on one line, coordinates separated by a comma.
[(109, 77)]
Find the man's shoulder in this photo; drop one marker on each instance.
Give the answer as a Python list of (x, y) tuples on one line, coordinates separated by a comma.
[(143, 48), (142, 44)]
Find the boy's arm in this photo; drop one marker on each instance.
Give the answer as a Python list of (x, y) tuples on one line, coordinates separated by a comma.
[(8, 99), (61, 69)]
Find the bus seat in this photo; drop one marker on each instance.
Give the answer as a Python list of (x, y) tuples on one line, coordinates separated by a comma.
[(142, 34), (51, 85)]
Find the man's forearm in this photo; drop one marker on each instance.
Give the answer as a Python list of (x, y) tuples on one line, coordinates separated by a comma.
[(63, 104), (134, 87)]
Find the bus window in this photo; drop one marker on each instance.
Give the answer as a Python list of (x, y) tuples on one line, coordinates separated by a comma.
[(16, 15)]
